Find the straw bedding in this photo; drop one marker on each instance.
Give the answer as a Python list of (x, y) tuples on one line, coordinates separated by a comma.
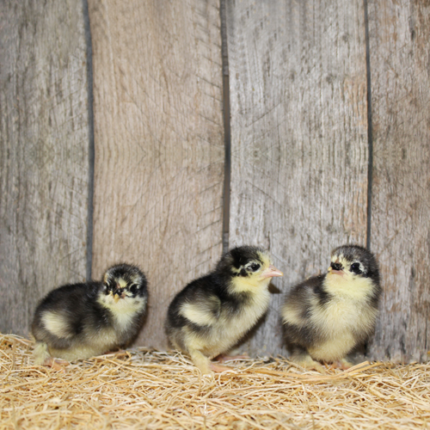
[(143, 388)]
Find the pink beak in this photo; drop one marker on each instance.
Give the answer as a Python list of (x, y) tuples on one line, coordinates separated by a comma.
[(335, 272), (271, 272)]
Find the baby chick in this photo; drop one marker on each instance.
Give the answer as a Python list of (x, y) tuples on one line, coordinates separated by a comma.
[(83, 320), (328, 316), (212, 313)]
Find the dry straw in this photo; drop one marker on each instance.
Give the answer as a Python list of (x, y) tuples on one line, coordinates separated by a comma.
[(142, 388)]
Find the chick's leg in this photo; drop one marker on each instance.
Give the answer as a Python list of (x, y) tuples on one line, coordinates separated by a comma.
[(41, 353), (201, 361)]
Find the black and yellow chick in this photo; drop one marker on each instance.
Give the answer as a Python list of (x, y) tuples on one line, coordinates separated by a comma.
[(83, 320), (211, 314), (327, 317)]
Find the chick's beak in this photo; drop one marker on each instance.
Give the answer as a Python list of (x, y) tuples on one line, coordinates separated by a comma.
[(117, 293), (271, 272)]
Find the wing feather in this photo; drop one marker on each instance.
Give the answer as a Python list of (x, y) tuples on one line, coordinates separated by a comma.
[(203, 310)]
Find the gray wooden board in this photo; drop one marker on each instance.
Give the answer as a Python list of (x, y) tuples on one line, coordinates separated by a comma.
[(44, 140), (159, 143), (399, 63), (299, 137)]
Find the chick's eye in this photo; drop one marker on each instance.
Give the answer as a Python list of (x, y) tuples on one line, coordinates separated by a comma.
[(133, 289), (355, 267), (254, 267)]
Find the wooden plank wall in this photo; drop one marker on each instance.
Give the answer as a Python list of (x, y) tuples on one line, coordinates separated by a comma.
[(400, 84), (304, 128), (301, 143), (159, 143), (44, 135), (299, 137)]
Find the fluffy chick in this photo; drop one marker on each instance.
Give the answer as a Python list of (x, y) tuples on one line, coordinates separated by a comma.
[(212, 313), (327, 317), (83, 320)]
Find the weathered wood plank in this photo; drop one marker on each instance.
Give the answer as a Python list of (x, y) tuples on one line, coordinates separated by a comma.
[(158, 142), (299, 136), (44, 141), (399, 63)]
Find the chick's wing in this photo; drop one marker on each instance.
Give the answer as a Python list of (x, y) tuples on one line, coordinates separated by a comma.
[(202, 308)]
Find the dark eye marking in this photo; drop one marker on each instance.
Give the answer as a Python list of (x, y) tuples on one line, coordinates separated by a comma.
[(254, 267), (355, 267)]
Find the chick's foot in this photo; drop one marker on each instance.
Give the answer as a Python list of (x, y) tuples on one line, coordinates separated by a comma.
[(307, 362), (217, 368), (56, 364)]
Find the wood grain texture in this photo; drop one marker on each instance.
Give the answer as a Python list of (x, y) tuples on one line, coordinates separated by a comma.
[(399, 62), (44, 141), (158, 143), (299, 137)]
